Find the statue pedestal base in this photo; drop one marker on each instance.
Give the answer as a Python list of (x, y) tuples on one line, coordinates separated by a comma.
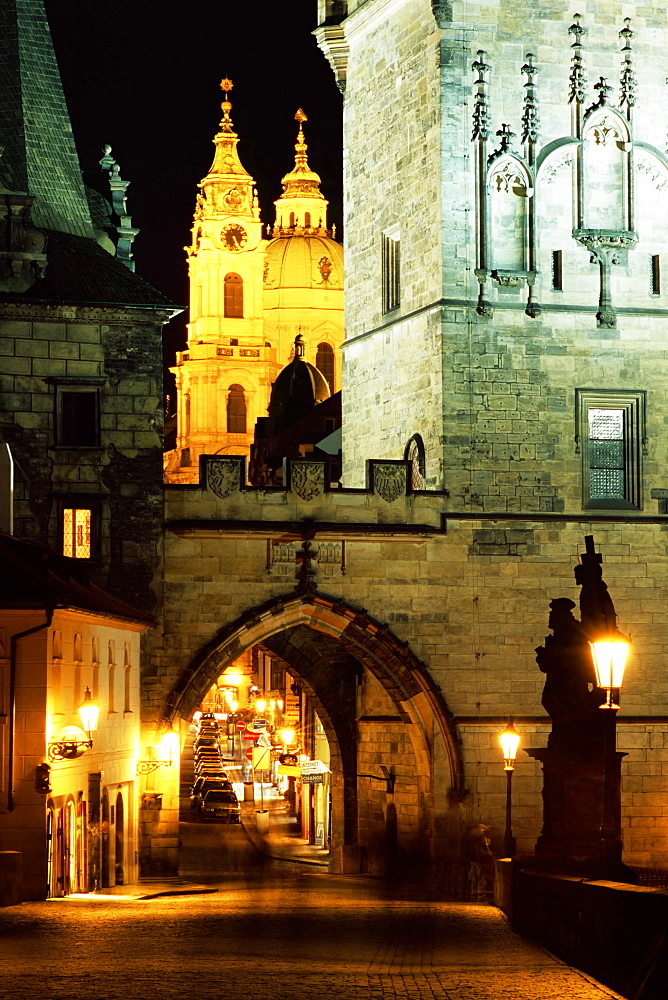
[(582, 809)]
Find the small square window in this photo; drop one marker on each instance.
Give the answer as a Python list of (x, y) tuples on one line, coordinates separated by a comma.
[(610, 436)]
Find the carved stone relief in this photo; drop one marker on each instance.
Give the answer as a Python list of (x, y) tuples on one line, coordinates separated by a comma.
[(307, 479), (223, 476), (389, 481)]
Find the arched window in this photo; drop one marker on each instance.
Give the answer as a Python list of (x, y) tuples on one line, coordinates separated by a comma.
[(324, 362), (236, 410), (234, 296), (414, 454), (307, 219), (292, 218)]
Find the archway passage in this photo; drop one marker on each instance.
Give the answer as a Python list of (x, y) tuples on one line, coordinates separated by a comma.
[(380, 709)]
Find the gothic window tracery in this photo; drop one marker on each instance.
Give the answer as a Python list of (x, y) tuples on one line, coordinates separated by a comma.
[(415, 454)]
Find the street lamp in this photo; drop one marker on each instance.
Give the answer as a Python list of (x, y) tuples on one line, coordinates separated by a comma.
[(609, 654), (509, 740), (169, 745), (69, 746)]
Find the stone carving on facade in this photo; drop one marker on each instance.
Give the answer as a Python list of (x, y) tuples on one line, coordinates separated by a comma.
[(223, 476), (389, 481), (307, 479), (653, 170), (555, 164), (442, 12), (330, 557), (23, 257)]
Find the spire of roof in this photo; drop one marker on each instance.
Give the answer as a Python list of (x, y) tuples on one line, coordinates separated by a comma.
[(39, 155), (302, 208)]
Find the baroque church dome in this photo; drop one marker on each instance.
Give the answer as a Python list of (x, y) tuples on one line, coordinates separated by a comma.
[(297, 389), (304, 261)]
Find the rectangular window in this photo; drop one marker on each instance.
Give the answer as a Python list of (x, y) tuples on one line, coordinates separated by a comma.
[(391, 271), (610, 435), (76, 525), (77, 411), (557, 271), (655, 274)]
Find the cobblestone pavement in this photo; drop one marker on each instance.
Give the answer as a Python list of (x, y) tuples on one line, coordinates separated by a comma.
[(273, 930)]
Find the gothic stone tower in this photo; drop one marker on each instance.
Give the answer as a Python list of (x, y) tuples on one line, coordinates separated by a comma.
[(249, 297), (506, 239)]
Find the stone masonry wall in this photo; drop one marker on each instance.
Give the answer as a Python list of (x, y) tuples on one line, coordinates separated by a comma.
[(471, 603), (124, 474)]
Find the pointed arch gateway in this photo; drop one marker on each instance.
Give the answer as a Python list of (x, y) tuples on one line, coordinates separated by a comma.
[(334, 649)]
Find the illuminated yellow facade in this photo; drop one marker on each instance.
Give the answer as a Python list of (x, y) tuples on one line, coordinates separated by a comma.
[(249, 298)]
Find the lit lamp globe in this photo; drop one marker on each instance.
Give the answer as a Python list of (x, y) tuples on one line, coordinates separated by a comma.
[(260, 705), (287, 737), (89, 713), (169, 745), (510, 740), (609, 654)]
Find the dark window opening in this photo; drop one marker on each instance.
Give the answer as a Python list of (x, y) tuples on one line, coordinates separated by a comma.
[(324, 362), (391, 276), (77, 419), (557, 271), (233, 297), (236, 410)]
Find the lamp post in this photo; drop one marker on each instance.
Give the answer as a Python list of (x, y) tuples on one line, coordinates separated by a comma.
[(69, 746), (509, 740), (609, 654)]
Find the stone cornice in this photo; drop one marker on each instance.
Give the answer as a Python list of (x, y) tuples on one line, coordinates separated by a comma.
[(60, 312)]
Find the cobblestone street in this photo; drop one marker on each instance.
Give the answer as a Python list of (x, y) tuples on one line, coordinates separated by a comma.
[(272, 929)]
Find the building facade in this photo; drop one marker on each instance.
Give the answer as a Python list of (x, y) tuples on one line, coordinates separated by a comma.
[(249, 297)]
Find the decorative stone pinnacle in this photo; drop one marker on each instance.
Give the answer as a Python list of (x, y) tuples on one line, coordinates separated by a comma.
[(577, 29), (530, 118), (506, 137), (627, 78), (604, 89), (481, 108), (301, 116)]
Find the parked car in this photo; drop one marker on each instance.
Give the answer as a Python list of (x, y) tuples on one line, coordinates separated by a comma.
[(206, 784), (220, 804)]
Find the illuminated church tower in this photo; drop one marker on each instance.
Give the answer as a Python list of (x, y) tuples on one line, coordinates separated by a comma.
[(249, 298)]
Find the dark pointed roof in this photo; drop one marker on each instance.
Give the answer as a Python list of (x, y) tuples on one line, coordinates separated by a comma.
[(39, 155), (35, 577)]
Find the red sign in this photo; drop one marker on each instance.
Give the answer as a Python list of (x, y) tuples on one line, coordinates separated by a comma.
[(251, 736), (248, 754), (241, 726)]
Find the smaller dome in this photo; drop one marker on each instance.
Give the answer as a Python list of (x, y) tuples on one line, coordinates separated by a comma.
[(303, 261), (297, 389)]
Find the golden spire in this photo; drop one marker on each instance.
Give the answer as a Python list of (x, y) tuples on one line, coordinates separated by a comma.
[(302, 202), (226, 123)]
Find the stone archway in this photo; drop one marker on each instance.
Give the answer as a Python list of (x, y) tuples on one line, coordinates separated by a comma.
[(329, 646)]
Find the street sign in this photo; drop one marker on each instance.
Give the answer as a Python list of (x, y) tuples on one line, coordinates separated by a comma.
[(241, 726), (264, 741), (257, 725), (248, 754), (250, 736), (261, 758), (313, 779), (292, 772), (314, 767)]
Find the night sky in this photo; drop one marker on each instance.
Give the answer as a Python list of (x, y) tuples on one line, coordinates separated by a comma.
[(146, 80)]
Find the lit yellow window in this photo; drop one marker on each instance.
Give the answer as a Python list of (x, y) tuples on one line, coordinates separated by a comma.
[(76, 532)]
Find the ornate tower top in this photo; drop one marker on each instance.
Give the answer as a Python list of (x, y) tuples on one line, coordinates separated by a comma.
[(302, 208), (228, 189)]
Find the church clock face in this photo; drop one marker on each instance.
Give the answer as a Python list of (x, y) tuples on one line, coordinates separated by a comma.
[(234, 237)]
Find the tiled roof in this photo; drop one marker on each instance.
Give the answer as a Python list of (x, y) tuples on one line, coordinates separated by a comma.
[(80, 272), (39, 155), (35, 577)]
